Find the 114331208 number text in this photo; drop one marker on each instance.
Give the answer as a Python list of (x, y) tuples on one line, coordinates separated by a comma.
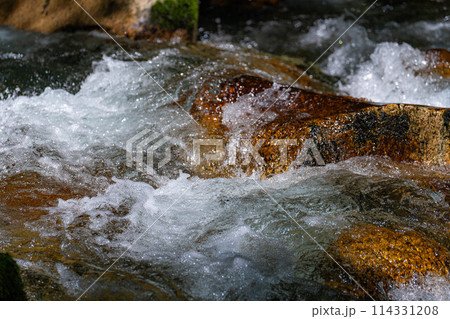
[(412, 310)]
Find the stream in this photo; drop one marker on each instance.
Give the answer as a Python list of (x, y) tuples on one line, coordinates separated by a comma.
[(70, 206)]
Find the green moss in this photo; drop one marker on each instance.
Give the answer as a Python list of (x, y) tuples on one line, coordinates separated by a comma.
[(175, 14), (11, 287)]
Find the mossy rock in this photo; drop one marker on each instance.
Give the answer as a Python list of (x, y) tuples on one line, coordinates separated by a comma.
[(175, 14), (11, 287)]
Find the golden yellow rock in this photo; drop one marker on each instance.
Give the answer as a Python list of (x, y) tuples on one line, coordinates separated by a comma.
[(375, 255)]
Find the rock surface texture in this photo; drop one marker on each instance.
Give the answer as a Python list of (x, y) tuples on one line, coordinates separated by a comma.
[(134, 18), (341, 127), (381, 259)]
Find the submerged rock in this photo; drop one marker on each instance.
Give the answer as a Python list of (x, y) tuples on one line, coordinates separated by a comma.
[(381, 259), (135, 18), (338, 127), (280, 69), (11, 287), (439, 62)]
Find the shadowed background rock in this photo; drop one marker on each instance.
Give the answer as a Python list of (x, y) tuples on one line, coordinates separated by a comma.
[(135, 18), (11, 287)]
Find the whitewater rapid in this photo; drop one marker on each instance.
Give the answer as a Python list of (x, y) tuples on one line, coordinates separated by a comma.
[(218, 238)]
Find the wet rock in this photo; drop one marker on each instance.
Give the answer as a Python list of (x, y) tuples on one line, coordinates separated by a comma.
[(339, 127), (11, 287), (380, 259), (208, 105), (439, 62), (135, 19), (404, 133), (280, 69), (35, 191)]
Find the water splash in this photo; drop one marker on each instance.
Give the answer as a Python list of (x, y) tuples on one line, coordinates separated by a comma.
[(396, 73)]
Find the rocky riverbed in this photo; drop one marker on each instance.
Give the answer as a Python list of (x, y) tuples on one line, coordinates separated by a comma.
[(267, 170)]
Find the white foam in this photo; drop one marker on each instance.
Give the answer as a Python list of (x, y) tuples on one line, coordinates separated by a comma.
[(224, 237), (396, 73), (11, 55), (428, 289), (248, 109), (57, 129), (385, 72), (186, 227)]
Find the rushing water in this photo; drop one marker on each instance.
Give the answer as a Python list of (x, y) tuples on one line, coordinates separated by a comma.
[(378, 58), (69, 206)]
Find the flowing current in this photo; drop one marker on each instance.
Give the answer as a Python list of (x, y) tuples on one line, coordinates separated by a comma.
[(69, 205)]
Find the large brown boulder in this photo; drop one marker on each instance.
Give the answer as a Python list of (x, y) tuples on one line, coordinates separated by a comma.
[(340, 127), (134, 18), (380, 259)]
